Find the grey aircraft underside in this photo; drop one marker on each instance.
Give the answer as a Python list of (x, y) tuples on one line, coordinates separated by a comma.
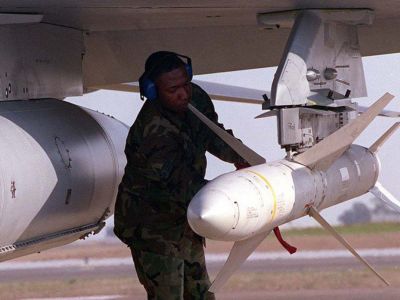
[(115, 37), (61, 164)]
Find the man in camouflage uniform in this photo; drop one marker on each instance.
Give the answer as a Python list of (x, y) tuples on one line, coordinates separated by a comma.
[(166, 165)]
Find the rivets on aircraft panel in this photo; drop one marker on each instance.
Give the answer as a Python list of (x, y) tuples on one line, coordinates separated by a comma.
[(13, 189)]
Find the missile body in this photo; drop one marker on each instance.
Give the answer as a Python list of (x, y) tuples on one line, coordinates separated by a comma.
[(241, 204)]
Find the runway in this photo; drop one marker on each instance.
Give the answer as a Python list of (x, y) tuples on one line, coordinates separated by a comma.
[(258, 262), (259, 270), (357, 294)]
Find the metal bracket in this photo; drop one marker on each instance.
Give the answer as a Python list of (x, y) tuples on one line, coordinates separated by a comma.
[(99, 225), (42, 242), (322, 53), (321, 68)]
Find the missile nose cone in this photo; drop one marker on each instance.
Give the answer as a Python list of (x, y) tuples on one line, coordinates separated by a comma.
[(211, 213)]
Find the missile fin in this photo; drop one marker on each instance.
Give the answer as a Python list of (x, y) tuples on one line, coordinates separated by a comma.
[(383, 113), (270, 113), (315, 214), (248, 154), (381, 193), (322, 155), (241, 250), (377, 145)]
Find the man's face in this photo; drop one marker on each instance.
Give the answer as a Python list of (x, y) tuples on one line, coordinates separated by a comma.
[(174, 90)]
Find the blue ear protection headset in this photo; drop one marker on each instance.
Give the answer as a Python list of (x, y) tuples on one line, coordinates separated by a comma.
[(148, 87)]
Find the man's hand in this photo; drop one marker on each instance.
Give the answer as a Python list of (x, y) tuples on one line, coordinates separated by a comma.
[(242, 165)]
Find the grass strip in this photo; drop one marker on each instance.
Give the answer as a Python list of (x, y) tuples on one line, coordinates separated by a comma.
[(367, 228)]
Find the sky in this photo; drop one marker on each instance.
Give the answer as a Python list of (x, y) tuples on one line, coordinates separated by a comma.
[(382, 75)]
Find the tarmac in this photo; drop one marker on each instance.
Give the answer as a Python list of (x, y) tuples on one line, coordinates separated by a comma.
[(261, 263)]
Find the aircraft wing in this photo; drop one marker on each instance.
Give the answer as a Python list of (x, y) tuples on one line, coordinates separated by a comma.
[(218, 35)]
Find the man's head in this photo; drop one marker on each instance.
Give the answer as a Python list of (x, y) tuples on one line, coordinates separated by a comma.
[(167, 78)]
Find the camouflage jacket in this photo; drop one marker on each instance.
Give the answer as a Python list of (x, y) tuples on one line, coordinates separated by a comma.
[(166, 165)]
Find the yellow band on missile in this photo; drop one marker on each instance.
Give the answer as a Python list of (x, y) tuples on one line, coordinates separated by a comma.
[(270, 187)]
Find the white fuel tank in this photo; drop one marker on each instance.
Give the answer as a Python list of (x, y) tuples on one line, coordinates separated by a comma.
[(60, 166)]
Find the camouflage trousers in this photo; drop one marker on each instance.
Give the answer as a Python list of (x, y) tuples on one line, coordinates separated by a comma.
[(170, 278)]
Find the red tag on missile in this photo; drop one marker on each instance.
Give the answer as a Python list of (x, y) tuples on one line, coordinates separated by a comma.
[(284, 244)]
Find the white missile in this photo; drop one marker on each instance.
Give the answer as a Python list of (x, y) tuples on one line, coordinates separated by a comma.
[(246, 205), (238, 205)]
